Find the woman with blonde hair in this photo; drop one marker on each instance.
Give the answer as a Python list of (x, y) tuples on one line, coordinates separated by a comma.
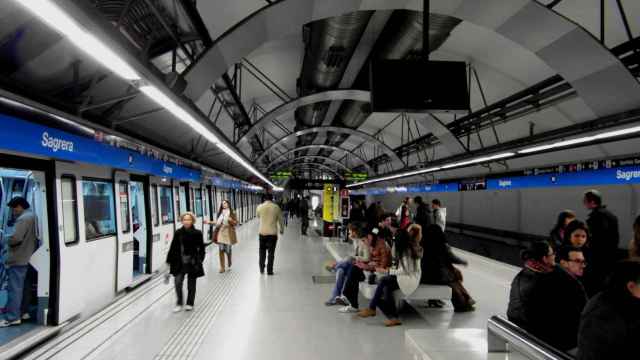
[(226, 222), (185, 258)]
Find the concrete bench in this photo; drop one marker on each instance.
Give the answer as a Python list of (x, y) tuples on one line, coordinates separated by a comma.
[(423, 292), (461, 343)]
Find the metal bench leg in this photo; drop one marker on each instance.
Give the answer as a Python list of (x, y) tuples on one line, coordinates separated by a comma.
[(495, 344)]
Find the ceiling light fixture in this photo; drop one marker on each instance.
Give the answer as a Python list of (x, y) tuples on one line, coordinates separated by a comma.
[(58, 19), (433, 169), (64, 24), (604, 135), (163, 100)]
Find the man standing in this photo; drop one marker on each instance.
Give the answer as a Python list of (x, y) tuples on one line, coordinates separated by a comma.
[(423, 213), (304, 215), (605, 237), (21, 244), (439, 214), (270, 217)]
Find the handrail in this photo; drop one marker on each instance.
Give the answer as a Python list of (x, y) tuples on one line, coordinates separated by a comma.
[(501, 332)]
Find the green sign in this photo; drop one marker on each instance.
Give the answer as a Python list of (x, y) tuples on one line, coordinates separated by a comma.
[(281, 175), (357, 176)]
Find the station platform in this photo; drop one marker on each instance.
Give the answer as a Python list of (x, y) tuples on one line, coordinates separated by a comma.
[(241, 314)]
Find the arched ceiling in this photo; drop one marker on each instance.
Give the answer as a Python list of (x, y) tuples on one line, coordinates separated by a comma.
[(512, 44)]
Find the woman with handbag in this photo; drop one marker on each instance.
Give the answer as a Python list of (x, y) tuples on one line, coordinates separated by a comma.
[(185, 258), (225, 233)]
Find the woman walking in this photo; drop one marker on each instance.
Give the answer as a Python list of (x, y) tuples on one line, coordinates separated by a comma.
[(226, 238), (185, 258)]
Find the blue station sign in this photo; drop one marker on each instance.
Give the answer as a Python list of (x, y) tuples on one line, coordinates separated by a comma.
[(613, 176), (21, 136)]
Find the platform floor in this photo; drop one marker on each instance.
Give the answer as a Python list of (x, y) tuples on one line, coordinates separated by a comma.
[(244, 315)]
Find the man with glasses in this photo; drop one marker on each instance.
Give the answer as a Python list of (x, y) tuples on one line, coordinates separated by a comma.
[(569, 297)]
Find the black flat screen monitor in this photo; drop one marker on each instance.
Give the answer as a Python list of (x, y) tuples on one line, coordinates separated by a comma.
[(419, 86)]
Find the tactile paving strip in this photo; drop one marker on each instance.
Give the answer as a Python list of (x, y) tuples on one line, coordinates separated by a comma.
[(184, 343)]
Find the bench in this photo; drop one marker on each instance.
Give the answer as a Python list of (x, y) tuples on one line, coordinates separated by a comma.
[(341, 250)]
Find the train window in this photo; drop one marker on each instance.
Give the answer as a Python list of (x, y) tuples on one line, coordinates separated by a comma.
[(123, 193), (198, 196), (154, 205), (166, 205), (99, 208), (69, 209)]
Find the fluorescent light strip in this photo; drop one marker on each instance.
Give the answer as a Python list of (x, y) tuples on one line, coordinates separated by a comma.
[(58, 19), (424, 171), (163, 100), (604, 135), (55, 17)]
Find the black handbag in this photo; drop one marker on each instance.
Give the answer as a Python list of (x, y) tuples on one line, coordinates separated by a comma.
[(186, 259)]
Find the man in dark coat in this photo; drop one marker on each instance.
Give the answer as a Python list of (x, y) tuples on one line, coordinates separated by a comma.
[(610, 323), (423, 213), (304, 215), (604, 240), (569, 300)]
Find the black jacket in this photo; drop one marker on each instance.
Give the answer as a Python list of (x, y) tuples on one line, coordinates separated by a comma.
[(569, 300), (610, 327), (529, 302), (547, 305), (556, 239), (193, 245), (437, 265), (605, 235), (423, 216)]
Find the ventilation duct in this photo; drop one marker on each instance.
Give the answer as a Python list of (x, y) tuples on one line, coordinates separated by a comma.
[(402, 41)]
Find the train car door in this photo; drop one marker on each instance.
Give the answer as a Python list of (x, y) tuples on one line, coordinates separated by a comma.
[(125, 242), (206, 208), (31, 185), (180, 197), (141, 222), (197, 206), (163, 233)]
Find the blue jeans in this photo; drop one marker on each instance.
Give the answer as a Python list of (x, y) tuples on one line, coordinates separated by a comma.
[(342, 268), (383, 296), (285, 217), (15, 288)]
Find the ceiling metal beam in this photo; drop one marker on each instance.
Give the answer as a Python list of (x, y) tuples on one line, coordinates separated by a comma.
[(328, 147), (357, 95), (337, 129), (313, 157), (371, 33)]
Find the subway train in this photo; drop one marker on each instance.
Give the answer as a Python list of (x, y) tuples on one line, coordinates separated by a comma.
[(105, 214)]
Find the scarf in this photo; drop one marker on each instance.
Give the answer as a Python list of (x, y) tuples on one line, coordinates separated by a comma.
[(537, 266)]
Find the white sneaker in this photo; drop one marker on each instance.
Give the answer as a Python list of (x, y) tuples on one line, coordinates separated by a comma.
[(26, 316), (178, 308), (6, 323), (188, 308), (348, 309), (342, 300)]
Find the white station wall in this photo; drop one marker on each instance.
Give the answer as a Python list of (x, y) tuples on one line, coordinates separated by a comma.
[(531, 211)]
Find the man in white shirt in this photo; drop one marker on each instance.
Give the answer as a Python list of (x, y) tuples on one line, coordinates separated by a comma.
[(439, 214), (270, 217)]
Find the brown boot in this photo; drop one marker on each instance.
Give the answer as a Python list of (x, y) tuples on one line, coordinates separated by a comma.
[(366, 312), (392, 322)]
